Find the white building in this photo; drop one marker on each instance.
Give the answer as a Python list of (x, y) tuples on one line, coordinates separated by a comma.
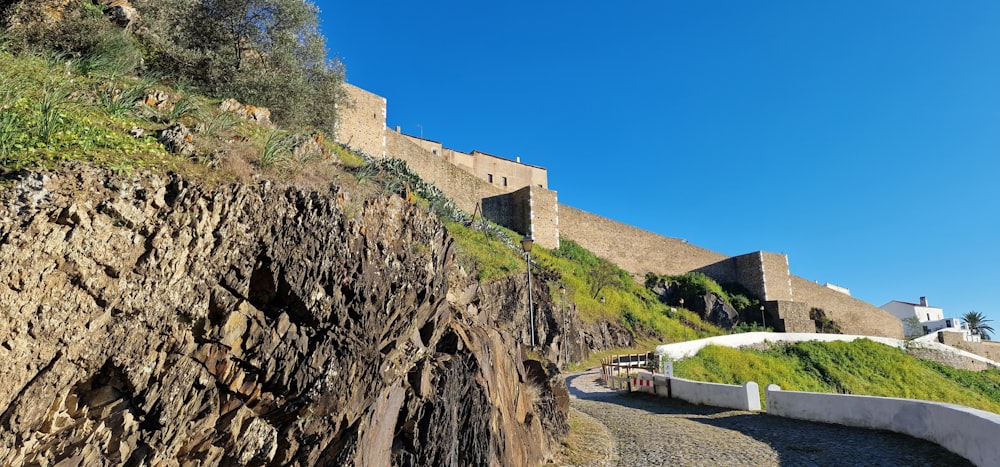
[(928, 318)]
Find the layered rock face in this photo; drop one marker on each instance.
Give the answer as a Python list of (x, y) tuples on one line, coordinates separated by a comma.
[(150, 321)]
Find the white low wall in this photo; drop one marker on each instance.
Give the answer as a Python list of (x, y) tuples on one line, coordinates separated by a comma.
[(690, 348), (745, 397), (730, 396), (971, 433)]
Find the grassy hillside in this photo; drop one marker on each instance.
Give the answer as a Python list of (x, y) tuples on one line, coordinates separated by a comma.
[(54, 114), (587, 279), (860, 367)]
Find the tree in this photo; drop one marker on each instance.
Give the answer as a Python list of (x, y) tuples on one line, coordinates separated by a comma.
[(976, 322), (603, 275), (261, 52)]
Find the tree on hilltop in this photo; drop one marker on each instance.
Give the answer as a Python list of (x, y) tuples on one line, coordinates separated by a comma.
[(262, 52), (266, 53), (976, 322)]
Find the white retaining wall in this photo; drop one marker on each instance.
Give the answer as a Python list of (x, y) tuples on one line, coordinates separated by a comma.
[(971, 433), (690, 348), (745, 397)]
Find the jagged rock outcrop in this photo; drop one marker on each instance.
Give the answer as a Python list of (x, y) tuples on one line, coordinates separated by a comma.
[(715, 310), (152, 321)]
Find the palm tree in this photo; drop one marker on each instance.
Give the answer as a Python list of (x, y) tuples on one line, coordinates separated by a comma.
[(976, 322)]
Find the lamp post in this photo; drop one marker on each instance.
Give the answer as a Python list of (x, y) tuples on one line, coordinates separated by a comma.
[(763, 318), (602, 307), (684, 322), (526, 243), (562, 294)]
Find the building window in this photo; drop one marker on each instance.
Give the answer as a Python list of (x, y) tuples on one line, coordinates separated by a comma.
[(504, 181), (928, 316), (489, 178)]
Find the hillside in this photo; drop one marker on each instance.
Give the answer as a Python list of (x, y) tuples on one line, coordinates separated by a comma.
[(859, 367), (190, 279)]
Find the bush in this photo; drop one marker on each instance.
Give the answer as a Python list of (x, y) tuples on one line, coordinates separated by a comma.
[(263, 52)]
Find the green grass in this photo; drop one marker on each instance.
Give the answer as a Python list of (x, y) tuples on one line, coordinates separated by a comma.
[(487, 254), (48, 119), (861, 367), (52, 114), (625, 301)]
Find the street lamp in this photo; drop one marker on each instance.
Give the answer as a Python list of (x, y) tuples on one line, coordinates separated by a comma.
[(526, 243), (562, 293), (602, 307), (684, 322), (763, 318)]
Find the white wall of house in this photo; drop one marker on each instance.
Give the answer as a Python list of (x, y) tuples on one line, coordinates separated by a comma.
[(951, 324), (922, 311)]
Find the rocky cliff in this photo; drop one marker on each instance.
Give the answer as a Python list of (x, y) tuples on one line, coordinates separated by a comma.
[(151, 321)]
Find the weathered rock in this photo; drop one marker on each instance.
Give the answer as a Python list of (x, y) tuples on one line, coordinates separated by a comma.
[(149, 321), (121, 13), (716, 311), (177, 139), (158, 100), (258, 115)]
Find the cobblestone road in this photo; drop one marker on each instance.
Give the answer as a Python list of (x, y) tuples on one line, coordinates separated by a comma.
[(651, 430)]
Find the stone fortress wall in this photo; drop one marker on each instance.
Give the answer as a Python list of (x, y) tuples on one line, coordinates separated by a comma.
[(361, 121), (503, 173), (988, 349), (526, 205)]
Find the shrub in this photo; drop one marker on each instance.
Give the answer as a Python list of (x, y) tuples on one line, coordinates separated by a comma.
[(263, 52)]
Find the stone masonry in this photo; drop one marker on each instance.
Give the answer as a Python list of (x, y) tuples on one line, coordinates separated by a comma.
[(361, 121), (515, 195)]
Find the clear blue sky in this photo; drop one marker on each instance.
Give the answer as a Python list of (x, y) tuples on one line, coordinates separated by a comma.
[(861, 138)]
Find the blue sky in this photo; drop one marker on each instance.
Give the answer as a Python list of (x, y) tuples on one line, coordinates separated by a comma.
[(861, 138)]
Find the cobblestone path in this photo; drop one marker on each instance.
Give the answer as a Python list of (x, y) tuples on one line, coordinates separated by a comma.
[(651, 430)]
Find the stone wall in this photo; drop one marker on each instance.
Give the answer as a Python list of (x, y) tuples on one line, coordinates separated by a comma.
[(507, 174), (460, 186), (790, 298), (471, 194), (988, 349), (776, 276), (633, 249), (544, 216), (508, 210), (788, 316), (465, 178), (361, 121), (763, 274), (854, 316), (502, 173)]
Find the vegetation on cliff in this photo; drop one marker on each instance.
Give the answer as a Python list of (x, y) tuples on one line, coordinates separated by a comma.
[(264, 52), (859, 367)]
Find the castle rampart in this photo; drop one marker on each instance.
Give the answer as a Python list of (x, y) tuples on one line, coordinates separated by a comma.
[(361, 121), (531, 210), (475, 182), (502, 173)]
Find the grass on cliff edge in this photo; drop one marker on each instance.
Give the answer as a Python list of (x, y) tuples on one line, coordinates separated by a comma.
[(861, 367), (586, 278), (53, 114)]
